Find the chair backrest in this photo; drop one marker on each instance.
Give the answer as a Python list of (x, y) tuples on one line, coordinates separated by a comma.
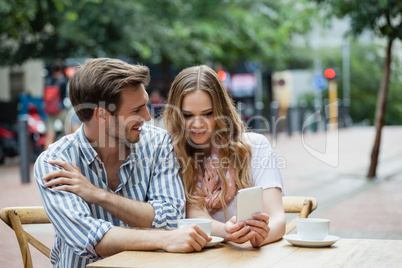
[(15, 217), (302, 205)]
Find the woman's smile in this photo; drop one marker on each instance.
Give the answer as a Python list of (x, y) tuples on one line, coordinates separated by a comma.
[(198, 132)]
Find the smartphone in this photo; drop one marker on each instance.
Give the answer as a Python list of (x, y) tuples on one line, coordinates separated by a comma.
[(249, 201)]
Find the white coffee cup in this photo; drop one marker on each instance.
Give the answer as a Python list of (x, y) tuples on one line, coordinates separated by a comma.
[(204, 224), (312, 229)]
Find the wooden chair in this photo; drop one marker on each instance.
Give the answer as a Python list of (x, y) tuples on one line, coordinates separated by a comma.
[(15, 217), (302, 205)]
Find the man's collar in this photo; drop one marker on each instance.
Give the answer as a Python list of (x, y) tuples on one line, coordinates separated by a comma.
[(85, 146)]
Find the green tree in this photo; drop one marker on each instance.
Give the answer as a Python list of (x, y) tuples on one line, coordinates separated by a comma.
[(384, 19), (25, 29), (165, 32), (394, 116)]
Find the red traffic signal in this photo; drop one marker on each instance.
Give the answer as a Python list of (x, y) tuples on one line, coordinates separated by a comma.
[(222, 75), (70, 71), (329, 73)]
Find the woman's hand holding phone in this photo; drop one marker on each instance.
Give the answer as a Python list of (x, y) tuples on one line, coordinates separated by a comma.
[(249, 212), (259, 225), (255, 230), (238, 232)]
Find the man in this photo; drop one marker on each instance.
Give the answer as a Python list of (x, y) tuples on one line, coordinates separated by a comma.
[(105, 185)]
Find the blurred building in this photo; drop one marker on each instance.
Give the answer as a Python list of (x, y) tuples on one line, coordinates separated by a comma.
[(26, 78), (288, 86)]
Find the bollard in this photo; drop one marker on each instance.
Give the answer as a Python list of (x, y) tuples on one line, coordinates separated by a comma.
[(341, 117), (24, 151), (273, 114), (259, 106), (317, 117), (326, 112), (289, 121), (302, 115), (346, 116), (324, 119)]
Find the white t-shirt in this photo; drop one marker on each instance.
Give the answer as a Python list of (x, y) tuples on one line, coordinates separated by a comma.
[(264, 170)]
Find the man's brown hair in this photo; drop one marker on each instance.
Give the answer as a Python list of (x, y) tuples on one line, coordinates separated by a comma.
[(99, 82)]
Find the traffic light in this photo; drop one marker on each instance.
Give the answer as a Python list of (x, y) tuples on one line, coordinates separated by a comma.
[(222, 75), (329, 73), (70, 71)]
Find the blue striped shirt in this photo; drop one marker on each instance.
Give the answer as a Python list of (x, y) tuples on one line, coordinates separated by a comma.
[(150, 174)]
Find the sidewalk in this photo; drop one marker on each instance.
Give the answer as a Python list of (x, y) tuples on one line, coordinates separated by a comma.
[(356, 207), (14, 193)]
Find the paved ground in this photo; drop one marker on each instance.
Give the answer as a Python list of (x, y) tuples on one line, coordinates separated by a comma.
[(14, 193), (335, 176)]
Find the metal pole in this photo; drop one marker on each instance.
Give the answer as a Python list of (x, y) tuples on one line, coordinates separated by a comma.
[(25, 157), (326, 113), (341, 115), (273, 114), (317, 117), (302, 115), (258, 91), (346, 80), (318, 71), (289, 120), (259, 106)]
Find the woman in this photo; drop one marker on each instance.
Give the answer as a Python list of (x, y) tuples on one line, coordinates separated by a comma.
[(217, 158)]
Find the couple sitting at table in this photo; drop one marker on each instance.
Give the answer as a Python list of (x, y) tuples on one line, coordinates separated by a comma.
[(105, 186)]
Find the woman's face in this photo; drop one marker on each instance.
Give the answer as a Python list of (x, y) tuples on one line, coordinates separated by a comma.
[(197, 110)]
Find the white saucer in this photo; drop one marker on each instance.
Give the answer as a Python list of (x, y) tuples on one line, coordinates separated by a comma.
[(295, 240), (215, 241)]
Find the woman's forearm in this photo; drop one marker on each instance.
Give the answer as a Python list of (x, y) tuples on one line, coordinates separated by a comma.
[(277, 225)]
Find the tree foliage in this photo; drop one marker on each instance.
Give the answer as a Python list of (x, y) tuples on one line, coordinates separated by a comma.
[(383, 17), (26, 29), (179, 32)]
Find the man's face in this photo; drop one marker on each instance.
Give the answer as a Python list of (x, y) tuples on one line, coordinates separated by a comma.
[(125, 125)]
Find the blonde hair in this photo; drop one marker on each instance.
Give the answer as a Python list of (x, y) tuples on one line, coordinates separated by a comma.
[(228, 135)]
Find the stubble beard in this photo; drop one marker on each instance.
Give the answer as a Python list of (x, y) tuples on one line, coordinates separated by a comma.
[(120, 138)]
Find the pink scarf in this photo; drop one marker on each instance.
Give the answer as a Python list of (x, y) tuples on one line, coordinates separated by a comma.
[(209, 185)]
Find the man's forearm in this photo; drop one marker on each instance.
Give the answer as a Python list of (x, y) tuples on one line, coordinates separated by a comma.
[(118, 239), (133, 212)]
